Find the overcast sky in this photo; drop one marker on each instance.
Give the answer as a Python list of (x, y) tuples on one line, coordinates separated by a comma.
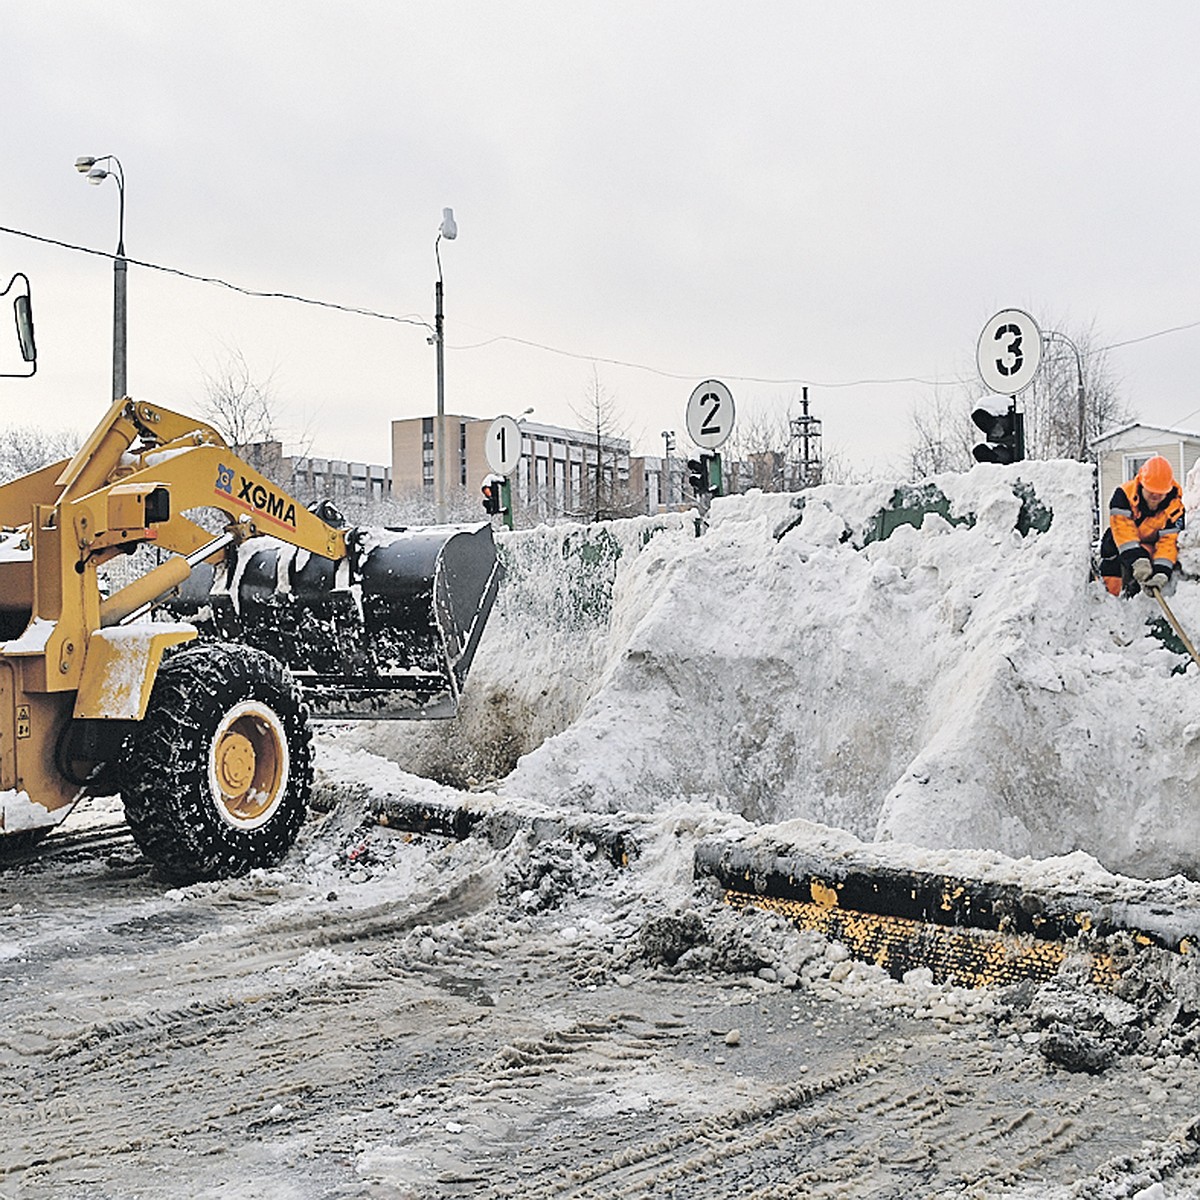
[(813, 193)]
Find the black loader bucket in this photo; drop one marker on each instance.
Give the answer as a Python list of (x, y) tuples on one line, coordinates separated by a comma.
[(389, 632)]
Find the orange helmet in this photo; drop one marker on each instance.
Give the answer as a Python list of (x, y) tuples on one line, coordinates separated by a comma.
[(1156, 475)]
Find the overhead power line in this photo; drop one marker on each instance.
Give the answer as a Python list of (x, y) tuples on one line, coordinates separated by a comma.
[(233, 287), (618, 362), (595, 358)]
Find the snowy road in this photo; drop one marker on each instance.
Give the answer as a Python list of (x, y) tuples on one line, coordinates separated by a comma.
[(390, 1016)]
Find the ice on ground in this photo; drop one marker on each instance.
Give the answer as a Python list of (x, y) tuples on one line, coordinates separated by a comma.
[(961, 684)]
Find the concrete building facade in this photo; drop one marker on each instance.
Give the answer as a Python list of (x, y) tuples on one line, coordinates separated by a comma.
[(309, 478), (563, 474)]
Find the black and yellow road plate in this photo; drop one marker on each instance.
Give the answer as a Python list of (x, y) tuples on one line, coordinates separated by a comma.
[(967, 957), (973, 931)]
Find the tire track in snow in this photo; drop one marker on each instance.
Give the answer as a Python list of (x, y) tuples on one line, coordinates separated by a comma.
[(639, 1169), (878, 1125)]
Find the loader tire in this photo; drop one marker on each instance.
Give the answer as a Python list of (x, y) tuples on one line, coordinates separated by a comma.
[(217, 775)]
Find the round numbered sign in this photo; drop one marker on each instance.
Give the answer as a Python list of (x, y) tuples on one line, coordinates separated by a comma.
[(710, 414), (1009, 351), (502, 445)]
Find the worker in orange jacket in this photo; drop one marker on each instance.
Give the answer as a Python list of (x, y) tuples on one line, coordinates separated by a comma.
[(1145, 516)]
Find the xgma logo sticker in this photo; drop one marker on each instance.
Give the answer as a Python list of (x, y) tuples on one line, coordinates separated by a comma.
[(256, 497)]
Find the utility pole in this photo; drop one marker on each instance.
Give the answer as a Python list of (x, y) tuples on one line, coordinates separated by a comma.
[(96, 174), (668, 485), (448, 230), (806, 430)]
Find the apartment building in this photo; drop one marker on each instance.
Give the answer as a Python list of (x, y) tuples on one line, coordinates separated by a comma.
[(310, 479), (563, 474)]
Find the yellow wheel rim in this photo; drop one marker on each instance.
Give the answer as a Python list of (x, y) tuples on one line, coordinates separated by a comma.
[(248, 765)]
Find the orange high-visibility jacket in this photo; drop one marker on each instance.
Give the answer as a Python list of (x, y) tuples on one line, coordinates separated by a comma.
[(1140, 531)]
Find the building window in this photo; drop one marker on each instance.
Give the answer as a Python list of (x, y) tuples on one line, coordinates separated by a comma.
[(1134, 463)]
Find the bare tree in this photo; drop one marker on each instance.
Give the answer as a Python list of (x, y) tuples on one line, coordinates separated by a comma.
[(605, 491), (241, 407), (942, 432), (755, 456), (835, 468), (1073, 398), (1059, 421), (776, 447), (26, 448)]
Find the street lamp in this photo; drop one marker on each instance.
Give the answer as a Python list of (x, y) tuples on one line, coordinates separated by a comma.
[(668, 437), (96, 175), (1050, 335), (448, 230)]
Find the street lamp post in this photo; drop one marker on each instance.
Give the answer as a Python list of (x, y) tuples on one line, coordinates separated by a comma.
[(448, 230), (668, 437), (1053, 336), (96, 174)]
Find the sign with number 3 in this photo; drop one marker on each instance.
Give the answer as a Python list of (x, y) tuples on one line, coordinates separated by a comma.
[(1009, 352)]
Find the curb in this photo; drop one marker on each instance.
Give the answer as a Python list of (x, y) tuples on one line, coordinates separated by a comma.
[(976, 930), (615, 837)]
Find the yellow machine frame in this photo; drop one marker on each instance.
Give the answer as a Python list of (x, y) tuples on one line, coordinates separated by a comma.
[(84, 657)]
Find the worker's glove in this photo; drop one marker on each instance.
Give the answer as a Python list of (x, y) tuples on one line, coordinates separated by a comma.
[(1143, 568), (1156, 581)]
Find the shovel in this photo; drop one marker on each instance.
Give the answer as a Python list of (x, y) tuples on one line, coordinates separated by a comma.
[(1183, 637)]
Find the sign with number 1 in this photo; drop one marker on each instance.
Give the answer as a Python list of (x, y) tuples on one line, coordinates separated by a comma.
[(502, 445)]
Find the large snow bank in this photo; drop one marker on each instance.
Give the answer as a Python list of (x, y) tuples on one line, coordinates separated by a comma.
[(959, 685), (562, 619)]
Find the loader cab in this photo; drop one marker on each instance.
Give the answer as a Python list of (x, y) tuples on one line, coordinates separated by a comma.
[(23, 313), (16, 584)]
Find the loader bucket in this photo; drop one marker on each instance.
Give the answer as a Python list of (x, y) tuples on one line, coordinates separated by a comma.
[(389, 632)]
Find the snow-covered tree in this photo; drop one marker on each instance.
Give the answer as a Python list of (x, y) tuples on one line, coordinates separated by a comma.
[(25, 448)]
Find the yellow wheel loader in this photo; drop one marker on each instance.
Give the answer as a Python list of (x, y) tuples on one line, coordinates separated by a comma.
[(200, 720)]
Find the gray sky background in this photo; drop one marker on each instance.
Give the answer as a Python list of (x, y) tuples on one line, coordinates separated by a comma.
[(802, 192)]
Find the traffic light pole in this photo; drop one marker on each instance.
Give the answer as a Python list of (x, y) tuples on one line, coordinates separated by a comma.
[(704, 476), (506, 513), (1018, 421)]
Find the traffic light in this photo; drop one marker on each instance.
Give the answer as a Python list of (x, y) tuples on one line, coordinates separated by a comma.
[(1004, 433), (492, 492), (712, 471), (704, 475)]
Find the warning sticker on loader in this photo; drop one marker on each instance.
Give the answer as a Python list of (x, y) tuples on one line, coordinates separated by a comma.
[(24, 722)]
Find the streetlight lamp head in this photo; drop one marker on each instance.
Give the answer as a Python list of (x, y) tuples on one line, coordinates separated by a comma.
[(96, 175), (447, 228), (84, 164)]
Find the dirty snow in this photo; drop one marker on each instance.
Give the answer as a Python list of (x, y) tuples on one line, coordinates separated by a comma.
[(401, 1015), (19, 813), (953, 686)]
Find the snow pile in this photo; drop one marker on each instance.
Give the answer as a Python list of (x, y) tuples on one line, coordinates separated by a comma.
[(562, 618), (960, 685), (963, 684)]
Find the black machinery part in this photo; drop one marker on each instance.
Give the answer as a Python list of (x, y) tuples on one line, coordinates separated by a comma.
[(389, 632)]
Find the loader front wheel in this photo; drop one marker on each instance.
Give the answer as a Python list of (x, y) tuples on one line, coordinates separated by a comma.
[(217, 775)]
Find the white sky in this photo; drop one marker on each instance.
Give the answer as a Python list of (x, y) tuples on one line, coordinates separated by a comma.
[(787, 191)]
